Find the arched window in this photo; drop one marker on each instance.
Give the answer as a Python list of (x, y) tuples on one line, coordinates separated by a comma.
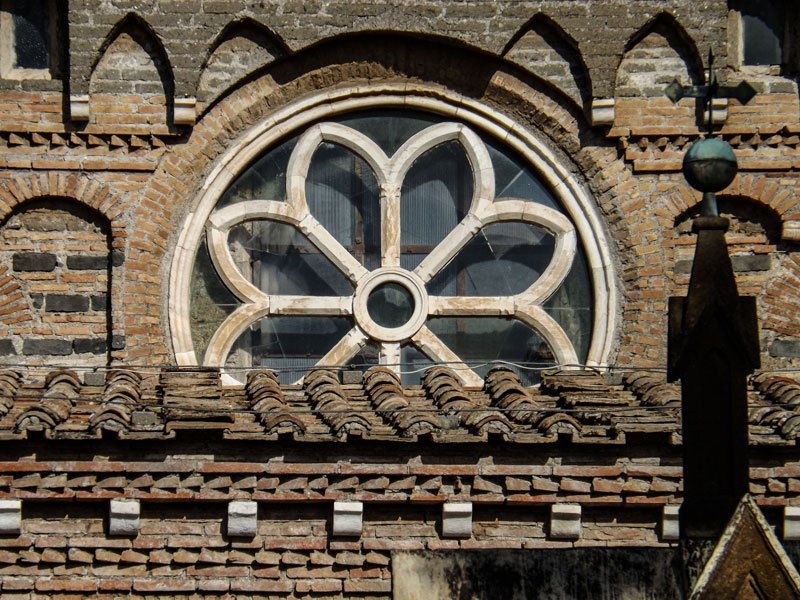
[(395, 237)]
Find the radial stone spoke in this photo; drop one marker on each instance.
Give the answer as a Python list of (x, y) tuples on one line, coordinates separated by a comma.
[(431, 345), (232, 327), (470, 305), (331, 248), (390, 226), (345, 349), (390, 355), (448, 247), (311, 305)]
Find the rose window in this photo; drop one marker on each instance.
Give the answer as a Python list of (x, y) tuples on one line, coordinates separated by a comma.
[(393, 238)]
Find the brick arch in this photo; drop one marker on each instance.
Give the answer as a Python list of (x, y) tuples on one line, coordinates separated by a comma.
[(758, 188), (61, 268), (89, 192)]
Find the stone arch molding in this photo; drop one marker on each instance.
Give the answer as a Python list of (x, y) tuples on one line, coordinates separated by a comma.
[(585, 224)]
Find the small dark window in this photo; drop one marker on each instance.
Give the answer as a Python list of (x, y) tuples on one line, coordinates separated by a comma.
[(31, 34), (29, 38), (763, 26)]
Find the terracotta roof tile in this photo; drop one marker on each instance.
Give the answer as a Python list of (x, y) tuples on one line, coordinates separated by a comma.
[(582, 406)]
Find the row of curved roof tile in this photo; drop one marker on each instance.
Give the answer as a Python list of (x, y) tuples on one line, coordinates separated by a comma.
[(577, 406)]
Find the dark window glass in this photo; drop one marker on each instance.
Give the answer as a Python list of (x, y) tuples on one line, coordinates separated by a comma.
[(762, 32), (31, 34)]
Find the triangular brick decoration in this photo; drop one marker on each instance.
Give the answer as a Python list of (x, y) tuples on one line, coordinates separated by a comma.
[(748, 563)]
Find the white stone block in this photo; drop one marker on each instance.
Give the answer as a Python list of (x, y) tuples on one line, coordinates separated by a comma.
[(457, 519), (185, 111), (79, 107), (603, 111), (565, 521), (790, 231), (242, 518), (123, 517), (670, 524), (10, 516), (348, 518), (791, 523)]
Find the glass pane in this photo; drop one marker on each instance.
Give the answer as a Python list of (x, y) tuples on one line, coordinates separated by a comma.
[(514, 179), (571, 306), (436, 195), (390, 129), (390, 305), (343, 195), (367, 357), (503, 259), (210, 303), (278, 259), (480, 340), (31, 35), (289, 345), (763, 23), (413, 365), (265, 179)]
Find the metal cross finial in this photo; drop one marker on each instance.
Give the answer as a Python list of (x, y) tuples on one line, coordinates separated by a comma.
[(743, 92)]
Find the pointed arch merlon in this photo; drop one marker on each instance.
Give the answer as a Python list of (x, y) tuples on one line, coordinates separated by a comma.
[(243, 46), (540, 40), (143, 35), (681, 58)]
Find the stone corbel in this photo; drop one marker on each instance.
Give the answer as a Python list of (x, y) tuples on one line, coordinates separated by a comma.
[(457, 519), (10, 516), (719, 110), (348, 518), (790, 231), (185, 111), (123, 517), (79, 107), (242, 518), (565, 521), (670, 524), (603, 112)]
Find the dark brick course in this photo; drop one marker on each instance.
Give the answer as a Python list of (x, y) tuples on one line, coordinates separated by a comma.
[(91, 345), (66, 303), (34, 261), (87, 263), (56, 347)]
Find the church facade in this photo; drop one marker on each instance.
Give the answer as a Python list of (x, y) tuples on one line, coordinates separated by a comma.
[(294, 295)]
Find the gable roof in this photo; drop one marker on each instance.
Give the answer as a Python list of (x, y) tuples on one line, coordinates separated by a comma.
[(748, 561)]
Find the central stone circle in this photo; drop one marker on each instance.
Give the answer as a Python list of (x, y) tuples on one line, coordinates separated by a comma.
[(390, 304)]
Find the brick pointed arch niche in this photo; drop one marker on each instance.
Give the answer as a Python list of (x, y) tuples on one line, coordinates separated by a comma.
[(579, 207)]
